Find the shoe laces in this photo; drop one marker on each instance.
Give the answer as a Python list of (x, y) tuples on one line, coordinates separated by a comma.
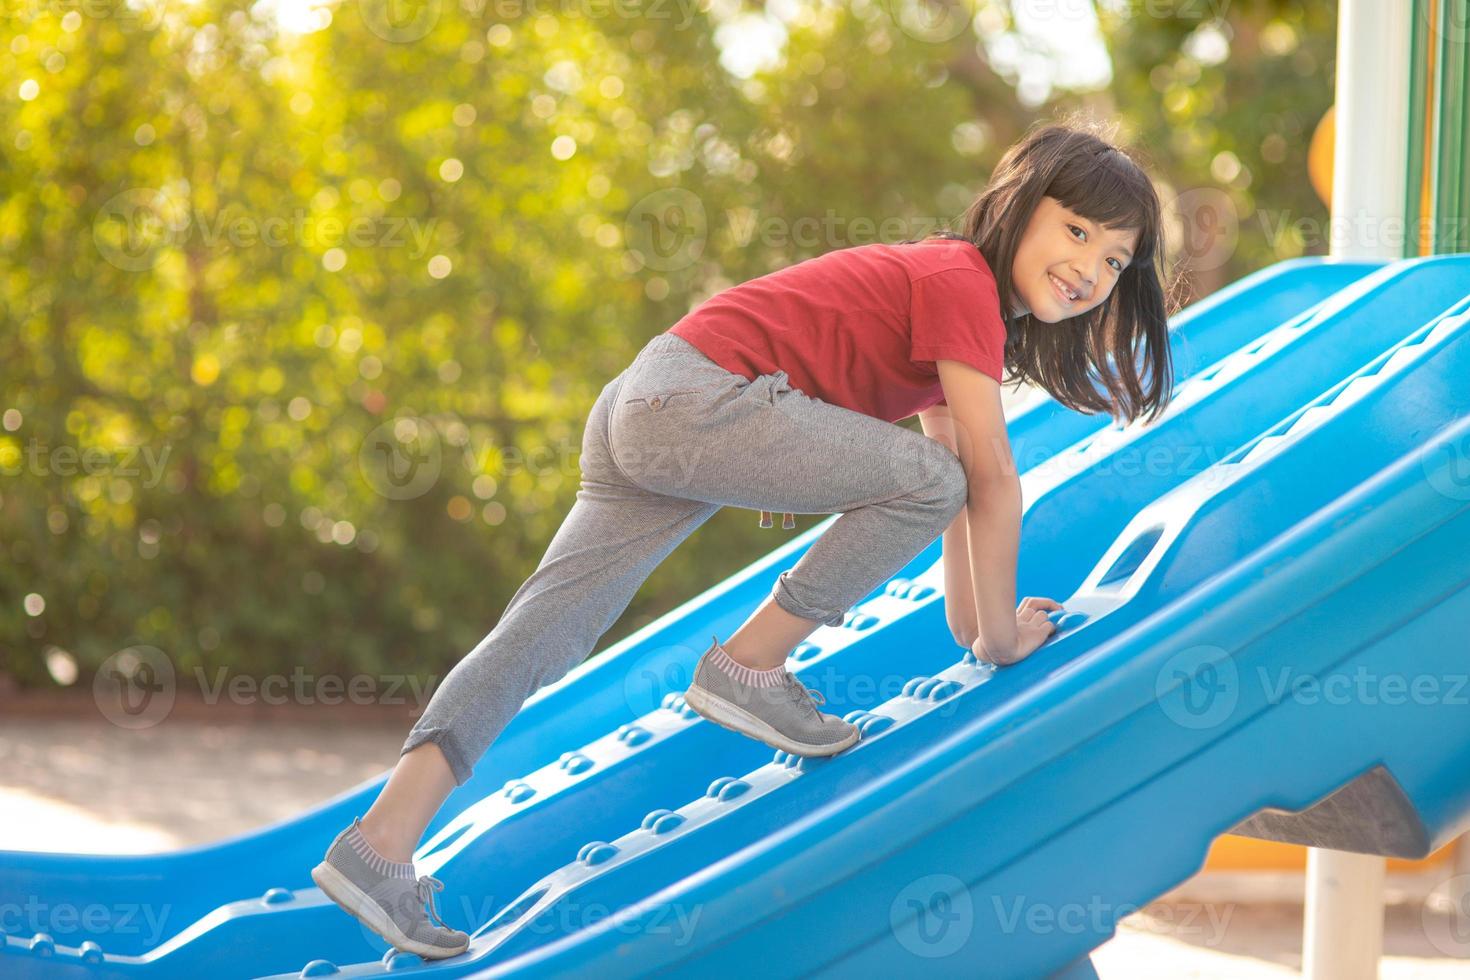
[(800, 692), (427, 885)]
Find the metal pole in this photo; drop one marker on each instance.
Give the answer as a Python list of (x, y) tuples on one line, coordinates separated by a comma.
[(1342, 935), (1370, 155)]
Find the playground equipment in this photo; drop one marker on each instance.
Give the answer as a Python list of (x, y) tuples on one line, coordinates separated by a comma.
[(1302, 511)]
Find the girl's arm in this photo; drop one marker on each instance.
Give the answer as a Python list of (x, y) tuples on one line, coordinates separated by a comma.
[(959, 586), (993, 509)]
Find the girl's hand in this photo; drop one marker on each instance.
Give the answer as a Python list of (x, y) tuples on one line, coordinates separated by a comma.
[(1033, 628)]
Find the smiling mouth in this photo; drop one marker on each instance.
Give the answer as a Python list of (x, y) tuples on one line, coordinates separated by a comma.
[(1061, 290)]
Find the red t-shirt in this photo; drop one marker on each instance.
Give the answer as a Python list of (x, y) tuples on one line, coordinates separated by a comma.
[(860, 327)]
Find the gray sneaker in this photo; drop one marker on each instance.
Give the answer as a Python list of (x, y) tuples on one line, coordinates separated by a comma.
[(392, 906), (780, 711)]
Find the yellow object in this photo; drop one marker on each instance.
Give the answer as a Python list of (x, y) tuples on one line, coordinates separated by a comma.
[(1319, 157), (1230, 852)]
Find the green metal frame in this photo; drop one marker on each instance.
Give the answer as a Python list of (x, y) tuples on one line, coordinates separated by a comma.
[(1445, 125), (1452, 197), (1418, 81)]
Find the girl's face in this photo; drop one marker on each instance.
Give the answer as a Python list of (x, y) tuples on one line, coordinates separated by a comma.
[(1061, 251)]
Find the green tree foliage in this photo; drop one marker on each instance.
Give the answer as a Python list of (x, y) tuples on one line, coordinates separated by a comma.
[(240, 264), (1226, 95)]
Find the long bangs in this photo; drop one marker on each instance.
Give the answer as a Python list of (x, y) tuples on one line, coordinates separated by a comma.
[(1108, 188)]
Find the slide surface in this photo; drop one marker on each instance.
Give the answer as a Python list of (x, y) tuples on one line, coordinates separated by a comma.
[(1252, 584)]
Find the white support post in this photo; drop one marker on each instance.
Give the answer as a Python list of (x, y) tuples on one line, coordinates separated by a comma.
[(1371, 122), (1342, 936)]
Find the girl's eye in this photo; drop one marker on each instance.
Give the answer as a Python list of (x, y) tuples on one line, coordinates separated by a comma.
[(1116, 268)]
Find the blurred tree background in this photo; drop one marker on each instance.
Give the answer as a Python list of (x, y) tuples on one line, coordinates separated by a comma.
[(304, 305)]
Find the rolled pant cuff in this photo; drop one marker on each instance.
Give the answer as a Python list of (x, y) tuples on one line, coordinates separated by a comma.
[(443, 738), (781, 592)]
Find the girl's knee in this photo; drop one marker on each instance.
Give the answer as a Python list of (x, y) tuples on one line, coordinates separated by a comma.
[(950, 486)]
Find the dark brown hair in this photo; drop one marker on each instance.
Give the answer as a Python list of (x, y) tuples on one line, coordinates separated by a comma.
[(1114, 358)]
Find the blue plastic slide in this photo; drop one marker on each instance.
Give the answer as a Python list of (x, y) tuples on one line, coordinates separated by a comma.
[(1299, 514)]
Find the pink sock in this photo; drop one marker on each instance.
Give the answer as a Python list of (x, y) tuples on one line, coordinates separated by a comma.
[(746, 675), (369, 853)]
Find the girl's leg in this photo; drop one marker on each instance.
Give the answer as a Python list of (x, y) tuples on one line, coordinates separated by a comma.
[(765, 639), (417, 787), (764, 445), (685, 427), (669, 442), (609, 543)]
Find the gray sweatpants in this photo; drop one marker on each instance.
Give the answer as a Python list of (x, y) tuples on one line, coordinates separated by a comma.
[(669, 441)]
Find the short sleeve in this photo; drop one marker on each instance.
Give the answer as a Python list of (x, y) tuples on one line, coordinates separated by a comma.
[(955, 316)]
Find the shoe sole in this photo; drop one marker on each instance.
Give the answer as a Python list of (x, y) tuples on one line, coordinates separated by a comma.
[(340, 889), (727, 715)]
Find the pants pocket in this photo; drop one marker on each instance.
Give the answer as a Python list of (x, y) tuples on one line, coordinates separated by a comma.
[(658, 400)]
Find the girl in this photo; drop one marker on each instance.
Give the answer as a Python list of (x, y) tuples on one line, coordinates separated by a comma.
[(781, 393)]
